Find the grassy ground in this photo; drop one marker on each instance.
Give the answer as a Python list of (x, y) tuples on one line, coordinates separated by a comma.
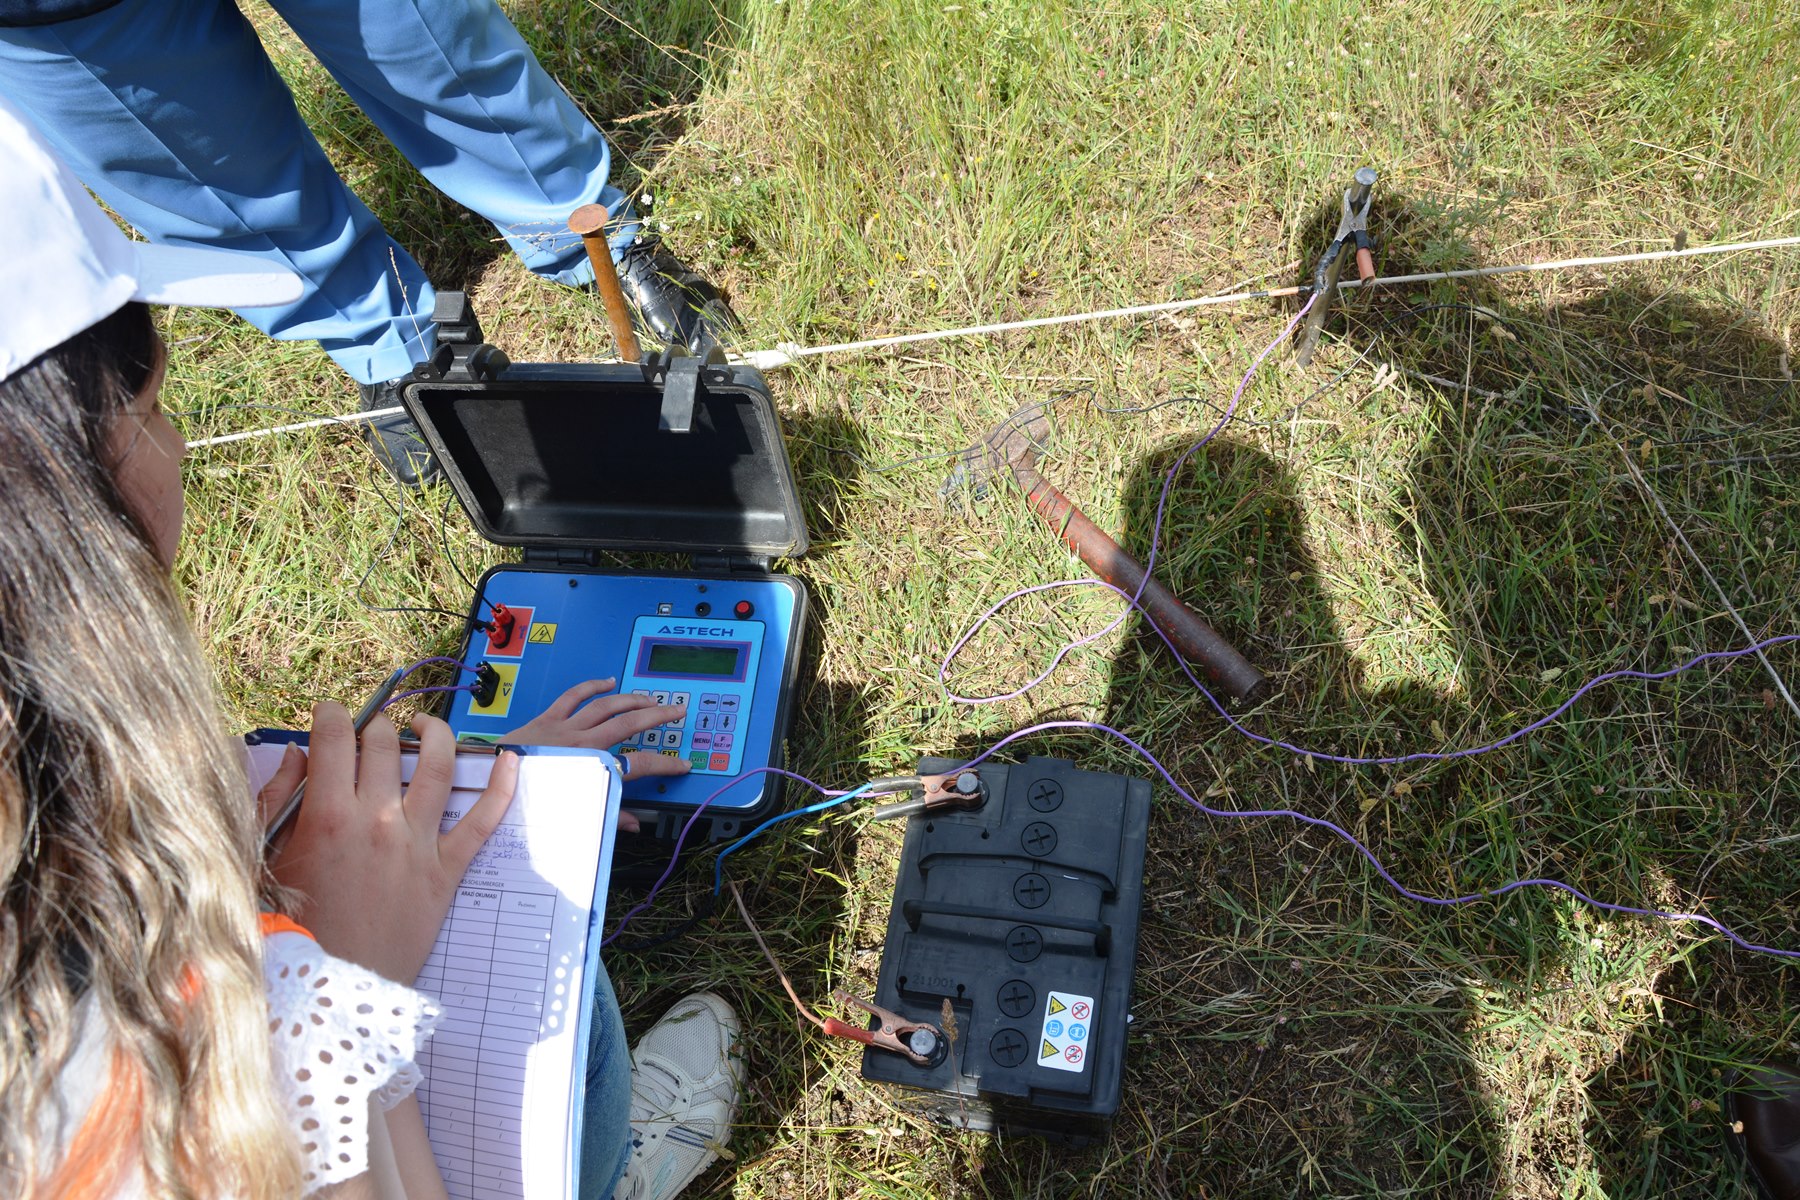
[(1417, 564)]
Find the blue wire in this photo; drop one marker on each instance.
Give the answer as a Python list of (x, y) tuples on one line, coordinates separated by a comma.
[(821, 806)]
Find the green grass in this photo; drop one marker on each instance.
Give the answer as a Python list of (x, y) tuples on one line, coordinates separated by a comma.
[(1416, 565)]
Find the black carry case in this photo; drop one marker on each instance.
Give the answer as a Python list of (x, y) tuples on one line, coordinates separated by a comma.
[(674, 455)]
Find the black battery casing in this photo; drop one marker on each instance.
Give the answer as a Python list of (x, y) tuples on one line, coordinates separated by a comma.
[(1000, 910)]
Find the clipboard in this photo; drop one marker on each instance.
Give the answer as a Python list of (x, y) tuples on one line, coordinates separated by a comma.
[(512, 969)]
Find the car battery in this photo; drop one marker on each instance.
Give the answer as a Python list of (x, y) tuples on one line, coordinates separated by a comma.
[(1022, 913), (669, 457)]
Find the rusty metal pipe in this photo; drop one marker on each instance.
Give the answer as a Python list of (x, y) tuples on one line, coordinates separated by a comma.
[(590, 222), (1196, 641)]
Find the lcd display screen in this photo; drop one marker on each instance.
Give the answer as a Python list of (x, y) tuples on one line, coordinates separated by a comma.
[(691, 659)]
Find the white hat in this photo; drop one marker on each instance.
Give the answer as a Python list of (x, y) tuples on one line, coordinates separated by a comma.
[(64, 264)]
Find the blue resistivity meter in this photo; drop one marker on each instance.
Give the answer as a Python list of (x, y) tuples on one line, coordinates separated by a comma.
[(718, 644), (589, 469)]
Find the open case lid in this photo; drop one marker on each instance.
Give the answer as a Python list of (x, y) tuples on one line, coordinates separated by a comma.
[(577, 456)]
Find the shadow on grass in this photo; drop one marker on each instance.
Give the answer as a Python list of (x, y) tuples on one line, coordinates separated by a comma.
[(1549, 559), (1301, 1028)]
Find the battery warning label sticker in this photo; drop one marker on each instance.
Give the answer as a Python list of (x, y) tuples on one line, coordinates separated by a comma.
[(1063, 1042)]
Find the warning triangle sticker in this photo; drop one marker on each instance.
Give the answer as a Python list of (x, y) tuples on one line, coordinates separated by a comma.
[(1049, 1050), (1056, 1005)]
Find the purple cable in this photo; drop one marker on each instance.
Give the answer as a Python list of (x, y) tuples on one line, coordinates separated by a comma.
[(1317, 822), (1133, 600), (1155, 536), (458, 663), (426, 662), (1322, 823), (463, 687), (1393, 760), (681, 839)]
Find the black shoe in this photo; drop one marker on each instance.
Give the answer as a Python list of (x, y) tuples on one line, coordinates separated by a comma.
[(673, 301), (395, 439), (1763, 1106)]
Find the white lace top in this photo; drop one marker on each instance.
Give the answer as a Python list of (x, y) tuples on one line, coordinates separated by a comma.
[(342, 1040), (341, 1036)]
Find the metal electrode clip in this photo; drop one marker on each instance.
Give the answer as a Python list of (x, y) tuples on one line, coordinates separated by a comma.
[(960, 790), (923, 1043), (1352, 230)]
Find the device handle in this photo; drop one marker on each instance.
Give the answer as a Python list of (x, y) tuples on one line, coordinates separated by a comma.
[(912, 910)]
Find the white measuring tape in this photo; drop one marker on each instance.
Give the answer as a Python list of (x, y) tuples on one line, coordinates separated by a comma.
[(355, 418), (786, 354)]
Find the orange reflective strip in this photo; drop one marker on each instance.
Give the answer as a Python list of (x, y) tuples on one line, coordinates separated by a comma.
[(91, 1169), (273, 923), (96, 1157), (190, 983)]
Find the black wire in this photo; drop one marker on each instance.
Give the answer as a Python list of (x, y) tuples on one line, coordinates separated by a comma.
[(444, 540), (1219, 410), (975, 447), (1593, 343), (1056, 398), (396, 502), (907, 462), (1150, 408), (399, 506), (708, 907), (1742, 425), (442, 612), (1738, 460)]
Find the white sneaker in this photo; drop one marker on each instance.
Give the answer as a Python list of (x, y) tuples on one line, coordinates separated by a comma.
[(685, 1076)]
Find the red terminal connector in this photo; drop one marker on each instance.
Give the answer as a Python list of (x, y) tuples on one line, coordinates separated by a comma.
[(500, 628), (922, 1043)]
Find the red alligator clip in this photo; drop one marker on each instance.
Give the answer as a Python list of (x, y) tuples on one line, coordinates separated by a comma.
[(915, 1039)]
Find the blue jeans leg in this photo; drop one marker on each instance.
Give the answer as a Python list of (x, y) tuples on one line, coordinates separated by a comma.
[(606, 1111), (457, 90), (172, 112)]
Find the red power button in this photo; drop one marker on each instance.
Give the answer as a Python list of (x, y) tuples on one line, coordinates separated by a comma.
[(743, 609)]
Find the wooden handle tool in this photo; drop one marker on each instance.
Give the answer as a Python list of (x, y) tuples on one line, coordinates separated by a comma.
[(590, 222), (1191, 636)]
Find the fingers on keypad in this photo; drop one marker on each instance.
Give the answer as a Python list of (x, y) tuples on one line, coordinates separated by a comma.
[(653, 763), (700, 730)]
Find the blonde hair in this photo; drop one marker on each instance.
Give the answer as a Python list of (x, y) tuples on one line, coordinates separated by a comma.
[(128, 848)]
